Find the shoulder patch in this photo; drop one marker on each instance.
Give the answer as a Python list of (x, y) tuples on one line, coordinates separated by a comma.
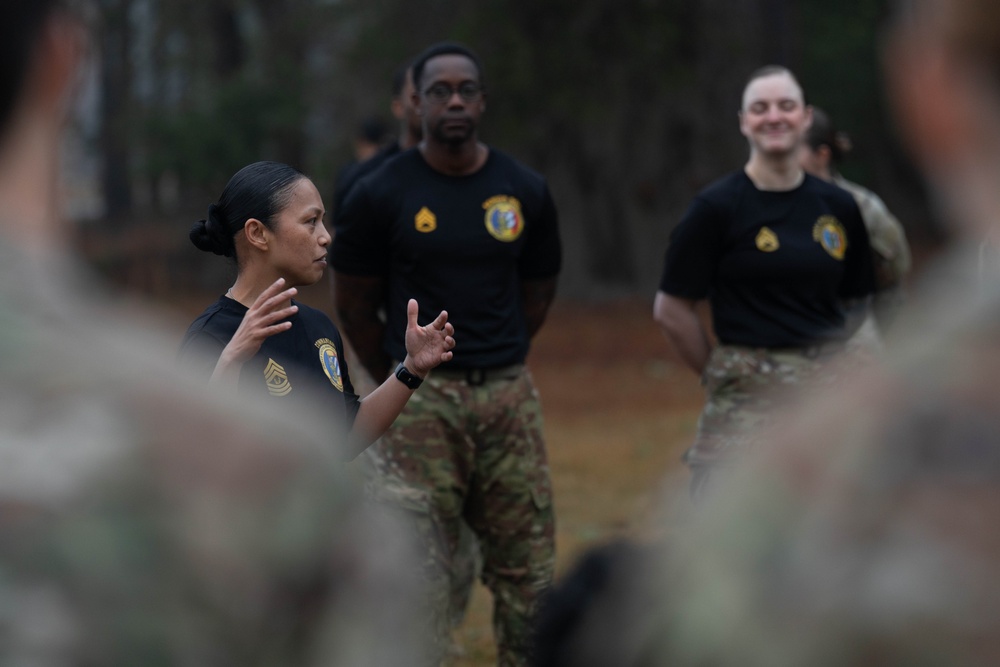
[(331, 364), (276, 379), (767, 240), (425, 221), (504, 220), (831, 235)]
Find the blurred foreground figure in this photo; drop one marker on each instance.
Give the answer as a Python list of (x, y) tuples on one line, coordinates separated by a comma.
[(868, 534), (142, 521)]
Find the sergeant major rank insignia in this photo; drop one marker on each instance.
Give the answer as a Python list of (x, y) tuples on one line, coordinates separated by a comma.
[(767, 240), (276, 379), (330, 362), (425, 221), (504, 220), (831, 235)]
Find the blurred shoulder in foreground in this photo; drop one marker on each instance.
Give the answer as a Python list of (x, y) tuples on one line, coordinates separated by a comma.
[(143, 520)]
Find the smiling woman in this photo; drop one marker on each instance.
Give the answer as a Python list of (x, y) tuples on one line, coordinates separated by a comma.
[(257, 339), (774, 118), (777, 254)]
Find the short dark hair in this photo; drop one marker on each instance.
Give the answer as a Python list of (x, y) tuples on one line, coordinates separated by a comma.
[(445, 49), (771, 70), (259, 190), (21, 24), (822, 133), (768, 70), (373, 129), (604, 588), (399, 79)]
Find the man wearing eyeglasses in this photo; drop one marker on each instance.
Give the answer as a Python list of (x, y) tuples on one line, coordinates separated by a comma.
[(462, 227)]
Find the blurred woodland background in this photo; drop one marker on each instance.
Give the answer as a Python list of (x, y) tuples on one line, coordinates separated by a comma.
[(627, 106)]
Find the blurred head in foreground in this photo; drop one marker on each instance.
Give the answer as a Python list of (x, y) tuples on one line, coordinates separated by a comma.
[(942, 62), (142, 520), (41, 46)]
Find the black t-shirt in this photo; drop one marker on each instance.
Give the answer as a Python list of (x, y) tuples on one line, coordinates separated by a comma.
[(304, 365), (354, 172), (456, 243), (773, 265)]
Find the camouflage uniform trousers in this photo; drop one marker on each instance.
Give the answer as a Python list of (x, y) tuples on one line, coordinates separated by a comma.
[(747, 390), (470, 452), (466, 566)]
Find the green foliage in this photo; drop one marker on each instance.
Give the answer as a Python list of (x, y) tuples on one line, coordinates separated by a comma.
[(841, 74), (235, 127), (626, 105)]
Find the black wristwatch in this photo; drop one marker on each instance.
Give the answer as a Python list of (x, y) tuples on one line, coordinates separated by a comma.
[(407, 378)]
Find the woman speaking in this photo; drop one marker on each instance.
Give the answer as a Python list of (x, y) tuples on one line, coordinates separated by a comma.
[(256, 338)]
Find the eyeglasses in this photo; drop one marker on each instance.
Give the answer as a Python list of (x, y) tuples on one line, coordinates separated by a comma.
[(440, 93)]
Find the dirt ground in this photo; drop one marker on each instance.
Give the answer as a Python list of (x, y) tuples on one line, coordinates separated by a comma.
[(619, 412)]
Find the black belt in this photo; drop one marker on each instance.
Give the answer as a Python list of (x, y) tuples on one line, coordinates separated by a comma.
[(478, 376), (815, 351), (825, 349)]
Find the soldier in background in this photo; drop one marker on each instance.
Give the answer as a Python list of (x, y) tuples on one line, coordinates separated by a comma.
[(821, 155), (457, 223), (143, 520), (411, 131), (776, 254), (370, 139), (467, 559)]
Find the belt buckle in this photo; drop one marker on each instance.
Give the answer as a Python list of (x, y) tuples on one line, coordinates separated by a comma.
[(475, 376)]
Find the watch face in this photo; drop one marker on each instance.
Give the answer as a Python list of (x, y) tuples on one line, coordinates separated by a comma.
[(407, 378)]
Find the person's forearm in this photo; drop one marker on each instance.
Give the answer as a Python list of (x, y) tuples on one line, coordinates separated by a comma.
[(679, 322), (536, 298), (378, 411), (366, 339), (692, 345), (226, 372), (357, 302)]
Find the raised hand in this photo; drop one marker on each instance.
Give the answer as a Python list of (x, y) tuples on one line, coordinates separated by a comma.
[(429, 345), (262, 320)]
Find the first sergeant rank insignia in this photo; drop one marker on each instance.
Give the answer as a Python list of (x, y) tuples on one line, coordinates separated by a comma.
[(504, 220), (331, 364), (831, 235), (276, 379)]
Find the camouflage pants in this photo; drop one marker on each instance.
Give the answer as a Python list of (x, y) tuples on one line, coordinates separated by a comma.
[(748, 388), (475, 453)]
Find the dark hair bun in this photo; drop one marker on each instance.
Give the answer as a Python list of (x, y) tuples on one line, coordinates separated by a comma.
[(211, 235), (842, 142)]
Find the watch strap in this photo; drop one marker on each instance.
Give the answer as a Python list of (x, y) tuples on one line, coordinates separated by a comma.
[(406, 377)]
